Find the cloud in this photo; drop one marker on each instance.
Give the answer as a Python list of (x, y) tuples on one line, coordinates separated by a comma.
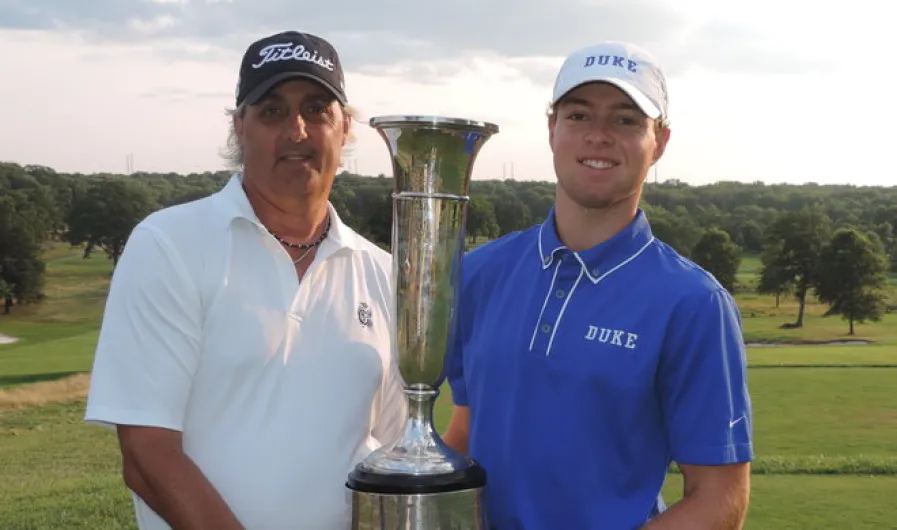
[(104, 15), (183, 94), (401, 38), (724, 46)]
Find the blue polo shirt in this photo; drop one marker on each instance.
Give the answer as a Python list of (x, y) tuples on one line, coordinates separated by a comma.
[(587, 373)]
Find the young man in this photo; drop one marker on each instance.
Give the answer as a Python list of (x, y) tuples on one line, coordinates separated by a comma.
[(245, 352), (592, 354)]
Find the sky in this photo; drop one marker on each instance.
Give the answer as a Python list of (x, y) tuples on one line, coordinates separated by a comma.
[(768, 90)]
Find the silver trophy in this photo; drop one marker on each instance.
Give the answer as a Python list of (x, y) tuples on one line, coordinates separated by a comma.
[(418, 482)]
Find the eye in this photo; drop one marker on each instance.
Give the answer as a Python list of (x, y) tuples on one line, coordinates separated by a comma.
[(576, 116), (317, 112), (271, 111), (630, 120), (317, 108)]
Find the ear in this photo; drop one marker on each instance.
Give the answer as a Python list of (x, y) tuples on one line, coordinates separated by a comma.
[(552, 121), (661, 138), (238, 125), (347, 127)]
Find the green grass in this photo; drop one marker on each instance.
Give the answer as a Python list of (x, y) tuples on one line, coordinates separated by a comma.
[(824, 356), (825, 416), (56, 338), (763, 322), (48, 359), (801, 502), (59, 473), (825, 413)]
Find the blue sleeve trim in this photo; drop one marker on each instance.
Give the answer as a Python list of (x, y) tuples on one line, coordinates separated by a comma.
[(715, 456)]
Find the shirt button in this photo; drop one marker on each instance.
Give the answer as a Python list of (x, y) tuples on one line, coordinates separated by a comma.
[(546, 328), (595, 272), (559, 293)]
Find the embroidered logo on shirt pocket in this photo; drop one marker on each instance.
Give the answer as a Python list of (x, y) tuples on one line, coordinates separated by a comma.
[(612, 337), (365, 315)]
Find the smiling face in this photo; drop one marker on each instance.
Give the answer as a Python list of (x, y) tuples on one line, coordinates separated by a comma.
[(292, 140), (603, 147)]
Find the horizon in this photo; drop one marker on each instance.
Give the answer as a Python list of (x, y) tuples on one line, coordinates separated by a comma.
[(754, 97), (480, 178)]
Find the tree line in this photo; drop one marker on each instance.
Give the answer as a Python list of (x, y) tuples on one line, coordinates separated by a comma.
[(836, 243)]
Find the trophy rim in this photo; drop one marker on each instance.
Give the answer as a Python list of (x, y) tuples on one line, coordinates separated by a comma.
[(436, 121)]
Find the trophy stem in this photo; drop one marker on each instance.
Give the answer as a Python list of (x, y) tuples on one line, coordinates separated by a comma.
[(420, 428), (420, 444)]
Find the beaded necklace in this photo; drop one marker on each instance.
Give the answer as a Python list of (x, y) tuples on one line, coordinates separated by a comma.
[(306, 246)]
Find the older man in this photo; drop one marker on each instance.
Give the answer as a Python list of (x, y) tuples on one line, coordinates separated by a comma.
[(245, 352), (631, 357)]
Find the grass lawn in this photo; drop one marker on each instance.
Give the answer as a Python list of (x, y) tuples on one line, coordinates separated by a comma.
[(815, 502), (825, 416)]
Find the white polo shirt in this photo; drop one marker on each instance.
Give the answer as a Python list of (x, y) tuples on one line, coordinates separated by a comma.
[(279, 387)]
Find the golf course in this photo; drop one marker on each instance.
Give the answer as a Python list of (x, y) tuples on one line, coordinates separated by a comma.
[(825, 412)]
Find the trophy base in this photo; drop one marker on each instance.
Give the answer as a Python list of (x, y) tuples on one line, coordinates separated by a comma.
[(453, 501)]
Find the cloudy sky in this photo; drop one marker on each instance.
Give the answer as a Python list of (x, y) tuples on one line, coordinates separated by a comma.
[(771, 90)]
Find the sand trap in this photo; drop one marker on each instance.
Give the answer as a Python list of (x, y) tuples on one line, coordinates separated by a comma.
[(6, 339)]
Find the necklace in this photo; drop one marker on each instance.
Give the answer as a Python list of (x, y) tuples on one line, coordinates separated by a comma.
[(313, 244), (302, 257), (306, 246)]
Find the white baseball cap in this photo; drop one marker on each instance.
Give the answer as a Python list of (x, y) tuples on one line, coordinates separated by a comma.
[(626, 66)]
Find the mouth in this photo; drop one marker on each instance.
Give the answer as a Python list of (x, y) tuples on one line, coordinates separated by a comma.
[(295, 157), (599, 163)]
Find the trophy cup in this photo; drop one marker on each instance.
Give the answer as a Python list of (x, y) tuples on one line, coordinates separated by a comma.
[(418, 482)]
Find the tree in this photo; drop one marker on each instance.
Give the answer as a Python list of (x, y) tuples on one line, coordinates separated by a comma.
[(853, 277), (5, 295), (799, 238), (481, 219), (885, 232), (677, 229), (510, 213), (774, 278), (21, 232), (719, 256), (752, 236), (104, 216)]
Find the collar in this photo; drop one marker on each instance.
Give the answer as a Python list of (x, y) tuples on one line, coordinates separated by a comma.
[(602, 259), (233, 201)]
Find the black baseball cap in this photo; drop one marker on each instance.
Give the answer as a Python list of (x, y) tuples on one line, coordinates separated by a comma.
[(289, 55)]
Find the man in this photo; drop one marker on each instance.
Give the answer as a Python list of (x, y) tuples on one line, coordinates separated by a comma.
[(591, 353), (245, 352)]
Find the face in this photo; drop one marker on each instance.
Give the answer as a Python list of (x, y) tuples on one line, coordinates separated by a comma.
[(292, 140), (603, 147)]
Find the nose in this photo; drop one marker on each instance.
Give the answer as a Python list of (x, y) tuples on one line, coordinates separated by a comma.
[(598, 133), (296, 128)]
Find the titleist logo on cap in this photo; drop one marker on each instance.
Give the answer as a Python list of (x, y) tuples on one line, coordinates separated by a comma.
[(287, 52)]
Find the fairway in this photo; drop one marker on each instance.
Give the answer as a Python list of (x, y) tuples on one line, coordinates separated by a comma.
[(805, 502), (825, 416), (842, 411)]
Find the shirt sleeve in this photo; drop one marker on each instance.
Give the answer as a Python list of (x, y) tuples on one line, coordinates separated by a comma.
[(454, 370), (703, 383), (472, 293), (150, 338)]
